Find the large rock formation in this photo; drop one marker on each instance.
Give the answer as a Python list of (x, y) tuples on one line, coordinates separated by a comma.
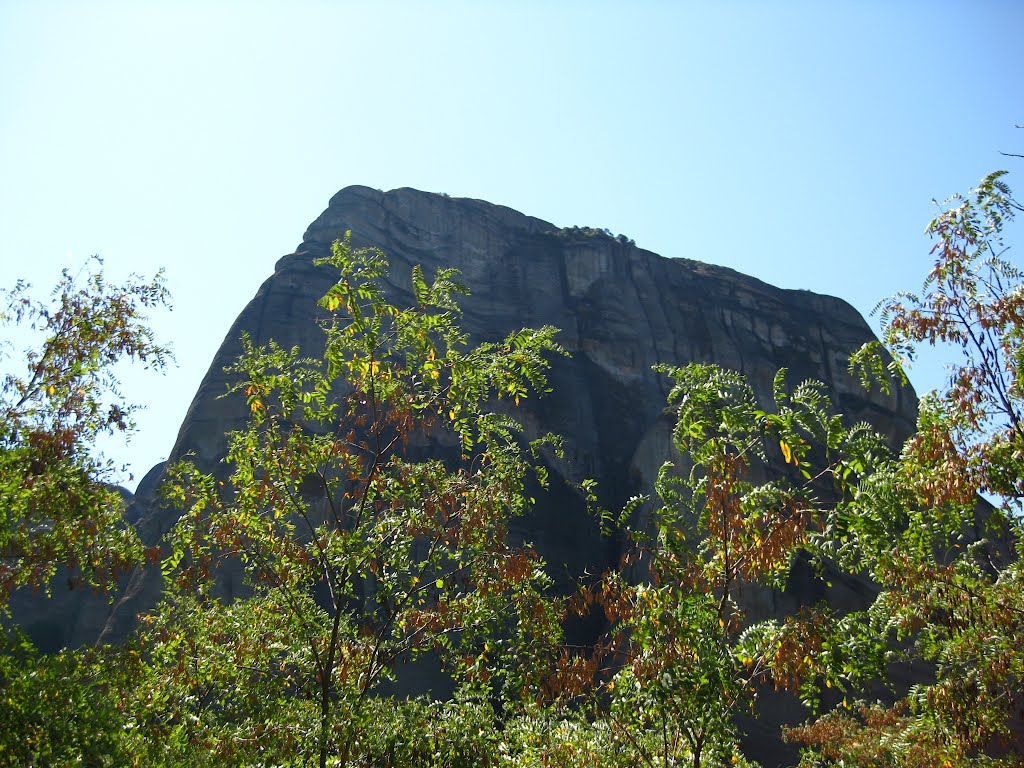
[(621, 310)]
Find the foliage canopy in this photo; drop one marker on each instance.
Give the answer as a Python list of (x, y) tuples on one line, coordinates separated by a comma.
[(357, 554), (362, 522)]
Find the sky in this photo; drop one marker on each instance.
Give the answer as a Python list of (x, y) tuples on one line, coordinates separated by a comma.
[(800, 142)]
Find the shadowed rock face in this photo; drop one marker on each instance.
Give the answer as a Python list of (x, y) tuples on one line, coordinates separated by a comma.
[(621, 310)]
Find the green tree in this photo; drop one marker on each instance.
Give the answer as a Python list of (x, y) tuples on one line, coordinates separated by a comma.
[(56, 511), (758, 486), (734, 512), (948, 565), (59, 710), (359, 554), (55, 402)]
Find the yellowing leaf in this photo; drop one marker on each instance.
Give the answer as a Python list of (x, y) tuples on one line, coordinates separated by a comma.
[(787, 452)]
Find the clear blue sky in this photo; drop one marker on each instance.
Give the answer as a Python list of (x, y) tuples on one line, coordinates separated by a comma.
[(800, 142)]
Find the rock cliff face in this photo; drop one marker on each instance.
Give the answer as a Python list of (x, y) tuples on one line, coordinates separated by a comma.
[(621, 310)]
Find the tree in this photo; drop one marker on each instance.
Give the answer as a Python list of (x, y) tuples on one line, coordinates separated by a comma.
[(948, 564), (59, 709), (734, 513), (759, 486), (56, 509), (359, 554)]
